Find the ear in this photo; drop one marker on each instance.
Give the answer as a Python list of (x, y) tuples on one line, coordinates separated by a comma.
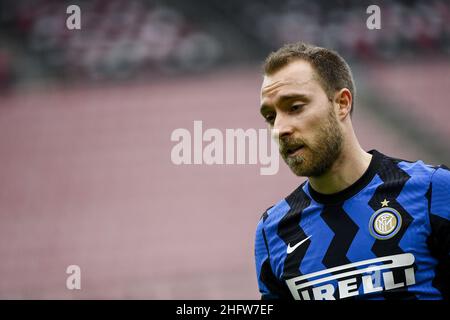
[(343, 102)]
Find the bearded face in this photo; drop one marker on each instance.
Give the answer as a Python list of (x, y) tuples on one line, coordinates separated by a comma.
[(296, 106), (313, 157)]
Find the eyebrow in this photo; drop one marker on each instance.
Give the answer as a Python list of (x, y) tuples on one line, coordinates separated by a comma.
[(283, 98)]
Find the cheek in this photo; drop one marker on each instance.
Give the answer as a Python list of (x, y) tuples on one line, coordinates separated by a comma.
[(307, 124)]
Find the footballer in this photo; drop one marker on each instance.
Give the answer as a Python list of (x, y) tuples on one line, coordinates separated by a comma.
[(363, 225)]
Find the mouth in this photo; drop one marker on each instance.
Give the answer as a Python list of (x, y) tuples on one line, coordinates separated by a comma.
[(292, 151)]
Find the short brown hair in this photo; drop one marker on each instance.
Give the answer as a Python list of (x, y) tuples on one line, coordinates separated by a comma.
[(333, 71)]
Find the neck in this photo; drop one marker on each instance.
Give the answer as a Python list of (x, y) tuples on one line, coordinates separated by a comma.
[(346, 170)]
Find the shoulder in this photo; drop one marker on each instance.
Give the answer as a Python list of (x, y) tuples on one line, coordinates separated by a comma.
[(418, 170), (438, 175), (277, 211), (434, 180), (441, 176), (440, 192)]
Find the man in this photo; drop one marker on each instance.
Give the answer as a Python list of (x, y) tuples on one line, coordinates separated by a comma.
[(363, 225)]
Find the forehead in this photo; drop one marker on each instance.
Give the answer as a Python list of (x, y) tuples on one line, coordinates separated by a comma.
[(297, 75)]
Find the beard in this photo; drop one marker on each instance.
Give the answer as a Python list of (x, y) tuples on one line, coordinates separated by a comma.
[(316, 157)]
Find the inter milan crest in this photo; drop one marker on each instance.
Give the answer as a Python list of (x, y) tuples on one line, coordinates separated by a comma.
[(385, 222)]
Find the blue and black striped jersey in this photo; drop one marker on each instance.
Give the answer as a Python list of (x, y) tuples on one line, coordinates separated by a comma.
[(384, 237)]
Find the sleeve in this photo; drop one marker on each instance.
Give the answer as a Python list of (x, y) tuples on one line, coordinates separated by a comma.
[(269, 285), (439, 240)]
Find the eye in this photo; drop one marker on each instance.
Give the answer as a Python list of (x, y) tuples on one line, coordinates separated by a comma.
[(270, 118), (296, 107)]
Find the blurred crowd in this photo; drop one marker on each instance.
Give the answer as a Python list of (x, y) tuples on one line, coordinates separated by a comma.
[(117, 38), (123, 39), (407, 27)]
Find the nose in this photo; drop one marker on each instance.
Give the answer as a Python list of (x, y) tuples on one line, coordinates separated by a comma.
[(283, 125)]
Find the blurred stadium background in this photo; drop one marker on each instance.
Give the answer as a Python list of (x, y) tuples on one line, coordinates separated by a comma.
[(86, 117)]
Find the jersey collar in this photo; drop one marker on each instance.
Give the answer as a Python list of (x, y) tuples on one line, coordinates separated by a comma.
[(353, 189)]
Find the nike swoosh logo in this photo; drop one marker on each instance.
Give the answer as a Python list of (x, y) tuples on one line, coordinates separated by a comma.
[(291, 249)]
